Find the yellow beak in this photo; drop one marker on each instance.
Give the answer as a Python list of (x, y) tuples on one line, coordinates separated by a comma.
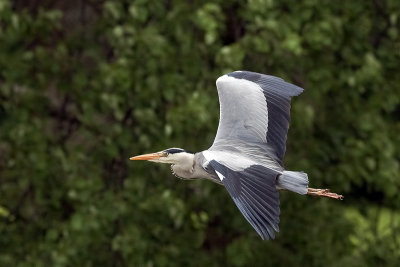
[(148, 156)]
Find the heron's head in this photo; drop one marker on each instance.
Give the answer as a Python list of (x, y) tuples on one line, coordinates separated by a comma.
[(170, 155)]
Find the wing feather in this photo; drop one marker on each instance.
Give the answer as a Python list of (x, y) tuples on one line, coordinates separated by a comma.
[(255, 108), (254, 192), (261, 205)]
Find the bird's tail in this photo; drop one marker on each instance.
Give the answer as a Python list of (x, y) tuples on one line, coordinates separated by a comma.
[(294, 181)]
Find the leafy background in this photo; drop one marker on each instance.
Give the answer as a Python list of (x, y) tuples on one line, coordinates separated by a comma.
[(86, 84)]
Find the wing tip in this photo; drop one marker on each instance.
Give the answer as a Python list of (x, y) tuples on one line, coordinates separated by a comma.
[(268, 234), (290, 89)]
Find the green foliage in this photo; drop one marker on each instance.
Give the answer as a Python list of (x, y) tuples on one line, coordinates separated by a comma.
[(84, 85)]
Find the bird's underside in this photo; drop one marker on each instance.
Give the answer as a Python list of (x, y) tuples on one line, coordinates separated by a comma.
[(248, 150), (254, 186)]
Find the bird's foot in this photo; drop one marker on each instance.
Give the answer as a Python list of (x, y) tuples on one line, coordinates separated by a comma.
[(323, 193)]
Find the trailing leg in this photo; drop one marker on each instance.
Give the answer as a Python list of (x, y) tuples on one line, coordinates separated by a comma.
[(323, 193)]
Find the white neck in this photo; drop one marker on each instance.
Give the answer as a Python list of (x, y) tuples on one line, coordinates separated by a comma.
[(182, 164)]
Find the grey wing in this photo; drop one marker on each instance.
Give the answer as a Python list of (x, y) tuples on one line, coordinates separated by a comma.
[(254, 193), (255, 108)]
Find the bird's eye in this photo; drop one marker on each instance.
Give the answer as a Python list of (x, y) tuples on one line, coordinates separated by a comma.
[(165, 154)]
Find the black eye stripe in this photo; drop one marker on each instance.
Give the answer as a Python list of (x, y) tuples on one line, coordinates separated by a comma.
[(175, 150)]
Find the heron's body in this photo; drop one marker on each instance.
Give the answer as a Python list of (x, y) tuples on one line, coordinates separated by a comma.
[(247, 154), (196, 166)]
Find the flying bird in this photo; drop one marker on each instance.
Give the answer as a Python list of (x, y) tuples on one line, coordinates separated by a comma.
[(247, 154)]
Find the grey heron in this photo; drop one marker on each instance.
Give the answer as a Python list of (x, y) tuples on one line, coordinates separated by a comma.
[(247, 154)]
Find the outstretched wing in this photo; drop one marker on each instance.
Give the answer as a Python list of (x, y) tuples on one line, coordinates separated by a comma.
[(252, 188), (255, 108)]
